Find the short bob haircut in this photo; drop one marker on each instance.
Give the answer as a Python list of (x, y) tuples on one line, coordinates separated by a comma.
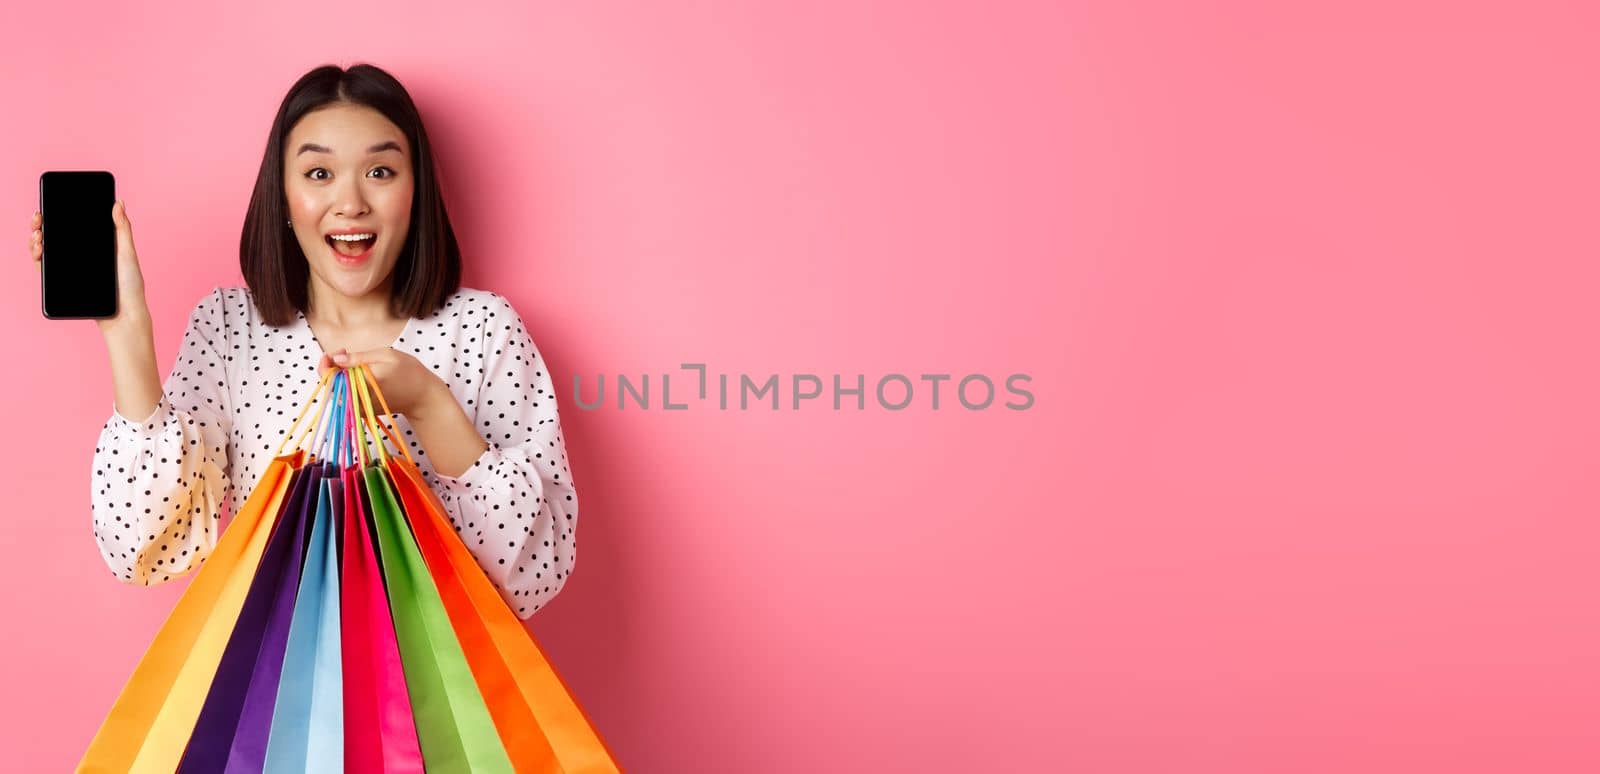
[(428, 270)]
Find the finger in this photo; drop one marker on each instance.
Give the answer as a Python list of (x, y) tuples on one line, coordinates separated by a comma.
[(119, 216), (371, 356), (38, 219), (327, 363), (330, 361)]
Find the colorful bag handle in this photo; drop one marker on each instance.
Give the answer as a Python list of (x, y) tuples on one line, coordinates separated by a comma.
[(365, 381)]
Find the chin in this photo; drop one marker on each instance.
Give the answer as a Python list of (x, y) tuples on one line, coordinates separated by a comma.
[(353, 283)]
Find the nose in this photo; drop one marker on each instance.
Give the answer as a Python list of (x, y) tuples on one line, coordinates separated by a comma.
[(348, 200)]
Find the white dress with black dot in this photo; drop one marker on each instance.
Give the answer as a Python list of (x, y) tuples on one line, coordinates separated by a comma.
[(159, 485)]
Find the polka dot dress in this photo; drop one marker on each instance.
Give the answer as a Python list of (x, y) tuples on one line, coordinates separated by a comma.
[(160, 485)]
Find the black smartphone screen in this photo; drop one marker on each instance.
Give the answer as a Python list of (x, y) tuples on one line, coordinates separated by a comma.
[(80, 245)]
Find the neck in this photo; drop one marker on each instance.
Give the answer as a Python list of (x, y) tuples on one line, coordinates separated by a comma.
[(332, 307)]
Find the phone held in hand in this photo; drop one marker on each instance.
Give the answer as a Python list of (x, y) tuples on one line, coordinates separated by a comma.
[(79, 263)]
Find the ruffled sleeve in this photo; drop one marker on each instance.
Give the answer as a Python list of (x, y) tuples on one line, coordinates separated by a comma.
[(516, 507), (159, 483)]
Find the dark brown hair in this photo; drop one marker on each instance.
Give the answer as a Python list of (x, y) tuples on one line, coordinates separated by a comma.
[(428, 270)]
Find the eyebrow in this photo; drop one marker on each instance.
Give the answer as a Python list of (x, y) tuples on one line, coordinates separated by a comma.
[(380, 147)]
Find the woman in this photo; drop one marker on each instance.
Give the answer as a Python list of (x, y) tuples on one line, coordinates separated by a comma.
[(348, 257)]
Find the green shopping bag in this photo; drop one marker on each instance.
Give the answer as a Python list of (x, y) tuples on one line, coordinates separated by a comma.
[(454, 727)]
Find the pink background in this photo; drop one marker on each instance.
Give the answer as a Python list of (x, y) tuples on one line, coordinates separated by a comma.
[(1308, 298)]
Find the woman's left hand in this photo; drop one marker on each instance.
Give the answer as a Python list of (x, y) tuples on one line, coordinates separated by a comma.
[(408, 386)]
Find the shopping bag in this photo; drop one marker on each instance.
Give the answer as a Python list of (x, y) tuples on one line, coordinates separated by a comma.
[(343, 570), (233, 730), (307, 732), (149, 724), (233, 724), (380, 731), (538, 719), (453, 725)]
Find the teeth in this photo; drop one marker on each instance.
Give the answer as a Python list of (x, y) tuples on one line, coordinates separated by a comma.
[(352, 237)]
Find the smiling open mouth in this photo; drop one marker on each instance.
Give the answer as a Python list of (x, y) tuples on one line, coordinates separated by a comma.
[(351, 246)]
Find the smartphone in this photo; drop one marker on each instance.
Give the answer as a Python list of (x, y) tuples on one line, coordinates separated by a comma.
[(79, 261)]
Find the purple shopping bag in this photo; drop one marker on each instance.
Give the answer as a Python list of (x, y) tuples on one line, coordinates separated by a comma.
[(231, 731)]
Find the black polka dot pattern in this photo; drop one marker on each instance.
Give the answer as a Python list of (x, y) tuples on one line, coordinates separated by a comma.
[(160, 485)]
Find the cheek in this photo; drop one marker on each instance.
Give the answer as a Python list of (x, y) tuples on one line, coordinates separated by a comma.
[(301, 203), (397, 211), (397, 201)]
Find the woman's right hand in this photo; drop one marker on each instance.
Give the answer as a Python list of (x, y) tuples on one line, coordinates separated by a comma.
[(132, 309)]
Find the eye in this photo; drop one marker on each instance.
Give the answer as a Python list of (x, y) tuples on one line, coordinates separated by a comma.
[(312, 174), (385, 169)]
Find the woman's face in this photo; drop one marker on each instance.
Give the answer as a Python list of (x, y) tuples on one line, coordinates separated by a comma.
[(347, 168)]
